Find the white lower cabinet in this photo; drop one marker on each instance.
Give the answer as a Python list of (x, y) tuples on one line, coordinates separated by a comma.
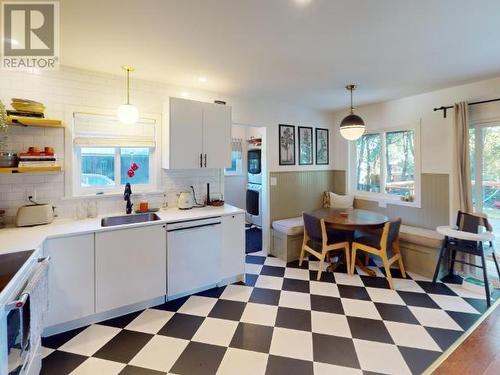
[(98, 272), (194, 250), (130, 266), (71, 278), (233, 246)]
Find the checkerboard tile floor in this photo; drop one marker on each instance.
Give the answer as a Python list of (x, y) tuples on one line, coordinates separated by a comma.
[(281, 321)]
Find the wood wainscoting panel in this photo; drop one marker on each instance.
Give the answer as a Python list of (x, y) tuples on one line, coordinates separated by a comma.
[(299, 191), (435, 204)]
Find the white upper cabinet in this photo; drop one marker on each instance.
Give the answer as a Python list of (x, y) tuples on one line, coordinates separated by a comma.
[(197, 135), (184, 135), (216, 136)]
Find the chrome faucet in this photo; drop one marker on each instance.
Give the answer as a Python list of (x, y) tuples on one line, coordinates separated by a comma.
[(126, 197)]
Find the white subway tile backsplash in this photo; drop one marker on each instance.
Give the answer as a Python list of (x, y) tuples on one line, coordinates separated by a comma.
[(60, 91)]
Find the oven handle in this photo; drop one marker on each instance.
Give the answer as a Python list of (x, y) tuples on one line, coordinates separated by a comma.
[(21, 301)]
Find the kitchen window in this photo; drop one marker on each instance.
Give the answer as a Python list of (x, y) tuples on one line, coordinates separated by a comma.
[(108, 154), (385, 166)]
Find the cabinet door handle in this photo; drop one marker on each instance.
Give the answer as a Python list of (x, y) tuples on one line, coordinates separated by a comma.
[(201, 160), (205, 160)]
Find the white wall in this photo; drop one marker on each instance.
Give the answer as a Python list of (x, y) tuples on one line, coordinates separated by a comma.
[(63, 91), (436, 131)]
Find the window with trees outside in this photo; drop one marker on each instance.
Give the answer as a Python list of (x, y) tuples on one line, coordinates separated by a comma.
[(484, 147), (385, 163)]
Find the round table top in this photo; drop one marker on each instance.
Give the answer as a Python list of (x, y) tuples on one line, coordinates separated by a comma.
[(355, 219)]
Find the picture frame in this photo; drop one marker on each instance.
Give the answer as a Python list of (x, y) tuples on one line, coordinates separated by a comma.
[(306, 150), (322, 147), (286, 144)]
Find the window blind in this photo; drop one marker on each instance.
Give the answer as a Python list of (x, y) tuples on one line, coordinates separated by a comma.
[(107, 131)]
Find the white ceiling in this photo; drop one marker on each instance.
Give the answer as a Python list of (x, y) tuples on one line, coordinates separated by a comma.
[(296, 51)]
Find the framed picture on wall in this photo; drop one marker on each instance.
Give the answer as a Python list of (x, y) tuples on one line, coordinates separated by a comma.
[(322, 156), (305, 145), (287, 144)]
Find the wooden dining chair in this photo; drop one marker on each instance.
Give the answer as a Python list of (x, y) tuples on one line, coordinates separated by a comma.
[(317, 242), (387, 243)]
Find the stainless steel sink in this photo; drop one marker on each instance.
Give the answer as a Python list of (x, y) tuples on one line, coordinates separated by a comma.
[(128, 219)]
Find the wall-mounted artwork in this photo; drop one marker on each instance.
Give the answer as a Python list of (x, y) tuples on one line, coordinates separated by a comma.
[(322, 157), (287, 144), (305, 145)]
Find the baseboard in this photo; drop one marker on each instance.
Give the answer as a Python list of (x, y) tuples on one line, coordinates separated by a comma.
[(95, 318)]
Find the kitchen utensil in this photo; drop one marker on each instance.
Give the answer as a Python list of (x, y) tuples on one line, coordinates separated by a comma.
[(8, 159), (143, 206), (92, 209), (34, 214), (185, 200), (216, 202), (81, 210)]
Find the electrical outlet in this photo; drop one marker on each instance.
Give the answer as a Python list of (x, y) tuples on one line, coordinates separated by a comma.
[(274, 181), (31, 195)]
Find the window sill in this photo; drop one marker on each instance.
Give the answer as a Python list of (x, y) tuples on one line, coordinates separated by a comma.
[(384, 199), (110, 195)]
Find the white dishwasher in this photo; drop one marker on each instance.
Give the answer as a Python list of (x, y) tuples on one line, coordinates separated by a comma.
[(193, 256)]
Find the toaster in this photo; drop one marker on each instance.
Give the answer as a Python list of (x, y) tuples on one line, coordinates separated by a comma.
[(34, 214)]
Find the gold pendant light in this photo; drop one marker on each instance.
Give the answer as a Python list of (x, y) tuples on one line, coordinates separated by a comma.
[(128, 113)]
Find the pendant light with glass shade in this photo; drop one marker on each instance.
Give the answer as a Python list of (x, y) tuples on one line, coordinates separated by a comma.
[(352, 126), (128, 113)]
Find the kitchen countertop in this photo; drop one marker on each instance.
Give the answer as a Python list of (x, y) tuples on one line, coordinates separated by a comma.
[(19, 239)]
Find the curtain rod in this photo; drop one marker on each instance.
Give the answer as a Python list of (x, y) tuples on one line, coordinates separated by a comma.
[(445, 108)]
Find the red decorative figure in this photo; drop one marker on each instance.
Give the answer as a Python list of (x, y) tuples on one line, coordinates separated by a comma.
[(134, 166), (131, 173)]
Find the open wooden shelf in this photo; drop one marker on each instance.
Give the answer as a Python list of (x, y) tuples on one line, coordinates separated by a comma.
[(31, 169), (33, 121)]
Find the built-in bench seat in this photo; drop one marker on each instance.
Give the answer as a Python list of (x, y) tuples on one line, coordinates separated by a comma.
[(419, 246), (286, 239), (420, 236)]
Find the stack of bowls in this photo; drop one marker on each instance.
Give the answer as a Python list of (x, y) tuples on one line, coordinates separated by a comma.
[(28, 106)]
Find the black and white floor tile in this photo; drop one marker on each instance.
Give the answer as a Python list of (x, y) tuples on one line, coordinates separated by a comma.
[(281, 321)]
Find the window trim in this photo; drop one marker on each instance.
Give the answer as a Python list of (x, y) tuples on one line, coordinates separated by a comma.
[(384, 198), (72, 160)]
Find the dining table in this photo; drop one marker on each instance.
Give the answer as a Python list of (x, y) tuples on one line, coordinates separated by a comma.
[(350, 220)]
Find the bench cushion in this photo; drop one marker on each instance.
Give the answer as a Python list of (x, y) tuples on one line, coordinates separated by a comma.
[(291, 227), (420, 236)]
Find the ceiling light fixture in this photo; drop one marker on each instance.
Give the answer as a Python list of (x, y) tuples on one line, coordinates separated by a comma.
[(202, 79), (303, 2), (352, 126), (128, 113)]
